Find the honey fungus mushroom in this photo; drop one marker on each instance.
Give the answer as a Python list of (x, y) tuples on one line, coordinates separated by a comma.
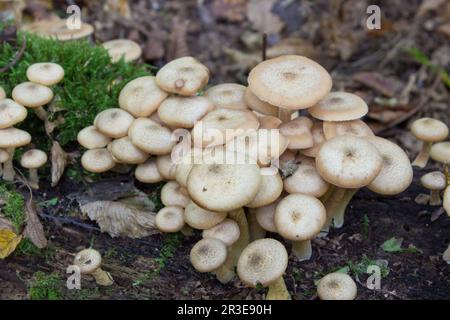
[(11, 113), (34, 96), (10, 139), (32, 160), (126, 152), (147, 172), (199, 218), (45, 73), (97, 160), (184, 112), (58, 28), (227, 95), (339, 106), (4, 156), (336, 286), (172, 194), (356, 127), (208, 255), (226, 231), (127, 49), (170, 219), (435, 182), (89, 261), (91, 138), (256, 104), (306, 180), (440, 152), (151, 137), (113, 122), (298, 131)]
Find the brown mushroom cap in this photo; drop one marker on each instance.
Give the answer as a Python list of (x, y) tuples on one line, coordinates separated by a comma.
[(298, 131), (226, 231), (2, 93), (256, 104), (126, 152), (147, 172), (265, 216), (45, 73), (11, 113), (200, 218), (306, 180), (339, 106), (32, 95), (33, 159), (184, 112), (208, 255), (336, 286), (429, 130), (170, 219), (353, 127), (440, 152), (227, 95), (113, 122), (151, 137), (269, 190), (97, 160), (118, 48), (318, 137), (4, 156), (88, 260), (172, 194), (434, 180), (91, 138), (290, 82), (13, 138)]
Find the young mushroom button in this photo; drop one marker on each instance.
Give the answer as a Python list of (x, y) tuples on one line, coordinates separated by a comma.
[(337, 286), (89, 261), (45, 73), (32, 160), (10, 139)]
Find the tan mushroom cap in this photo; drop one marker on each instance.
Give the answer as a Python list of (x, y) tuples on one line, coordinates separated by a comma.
[(113, 122), (118, 48), (32, 95), (126, 152), (290, 82), (440, 152), (2, 93), (270, 189), (429, 130), (170, 219), (265, 216), (200, 218), (97, 160), (33, 159), (298, 131), (227, 95), (141, 96), (349, 162), (13, 138), (184, 112), (339, 106), (57, 28), (184, 76), (336, 286), (166, 167), (91, 138), (11, 113), (88, 260), (208, 255), (263, 261), (226, 231), (434, 180), (256, 104), (147, 172), (269, 122), (151, 137), (306, 180), (446, 200), (356, 127), (172, 194), (318, 137), (185, 164), (221, 125), (45, 73), (4, 156)]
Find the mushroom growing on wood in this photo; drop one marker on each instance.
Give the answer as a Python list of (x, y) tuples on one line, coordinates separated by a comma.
[(435, 182), (89, 261), (10, 139), (33, 159), (336, 286), (91, 138)]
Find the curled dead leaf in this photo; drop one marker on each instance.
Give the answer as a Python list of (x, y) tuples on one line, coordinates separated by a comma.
[(8, 242), (59, 162), (260, 14), (34, 231)]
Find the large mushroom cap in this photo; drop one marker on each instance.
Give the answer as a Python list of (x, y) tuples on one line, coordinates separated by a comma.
[(113, 122), (184, 76), (227, 95), (126, 152), (348, 162), (13, 138), (339, 106), (434, 180), (147, 172), (118, 48), (170, 219), (429, 130), (141, 96), (262, 261), (356, 127), (151, 137), (184, 112), (306, 180), (269, 190), (200, 218), (32, 95), (256, 104), (440, 152), (291, 82), (45, 73), (11, 113), (88, 260), (97, 160), (172, 194), (226, 231), (336, 286), (33, 159), (208, 255), (91, 138), (396, 173)]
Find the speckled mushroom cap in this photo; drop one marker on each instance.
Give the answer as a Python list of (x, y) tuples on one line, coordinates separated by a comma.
[(227, 95), (299, 217), (2, 93), (339, 106), (336, 286), (256, 104), (269, 122), (147, 172), (151, 137), (173, 195), (126, 152), (4, 156), (184, 76), (306, 180), (200, 218), (446, 200), (97, 160), (141, 96), (11, 113), (440, 152), (166, 167), (184, 112), (226, 231), (118, 48), (32, 95), (33, 159), (88, 260), (170, 219), (429, 130), (290, 82), (265, 216), (318, 139), (269, 191), (298, 131), (113, 122), (434, 180), (263, 261), (396, 172), (356, 127), (45, 73), (13, 138), (208, 255), (91, 138), (348, 162)]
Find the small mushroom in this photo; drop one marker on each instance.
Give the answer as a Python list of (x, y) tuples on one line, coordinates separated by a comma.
[(97, 160), (58, 28), (170, 219), (184, 112), (227, 95), (11, 113), (269, 122), (91, 138), (166, 167), (33, 95), (318, 137), (33, 159), (147, 172), (306, 180), (356, 127), (440, 152), (118, 48), (298, 131), (45, 73), (4, 156), (270, 189), (113, 122), (151, 137), (336, 286), (265, 216), (200, 218), (89, 261), (126, 152), (10, 139), (339, 106), (173, 195), (226, 231), (256, 104), (208, 255), (435, 182)]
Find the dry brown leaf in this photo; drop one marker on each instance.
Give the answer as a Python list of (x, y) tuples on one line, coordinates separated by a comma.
[(8, 242), (119, 219), (388, 86), (6, 224), (385, 115), (243, 60), (178, 45), (34, 231), (260, 14), (289, 46), (230, 10), (444, 29), (59, 162)]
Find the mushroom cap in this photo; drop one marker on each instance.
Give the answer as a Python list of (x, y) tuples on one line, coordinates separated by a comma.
[(337, 286), (256, 104), (113, 122), (184, 76), (147, 172), (2, 93), (200, 218), (97, 160), (118, 48), (434, 180), (45, 73), (33, 159), (269, 122), (306, 180), (446, 200), (356, 127), (298, 131), (151, 137), (91, 138), (4, 156), (263, 261), (226, 231), (166, 167), (141, 96), (11, 113), (58, 29), (429, 130), (299, 217), (396, 172), (269, 190), (208, 255), (339, 106), (126, 152), (88, 260), (440, 152), (13, 138), (185, 164), (32, 95), (184, 112), (290, 82), (170, 219), (318, 137), (172, 194), (265, 216), (349, 162), (227, 95)]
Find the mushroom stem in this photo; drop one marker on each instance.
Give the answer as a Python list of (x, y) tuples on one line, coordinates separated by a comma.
[(336, 205), (1, 169), (435, 198), (278, 291), (338, 217), (255, 230), (446, 255), (302, 250), (102, 277), (447, 174), (225, 274), (33, 178), (41, 113), (8, 169), (284, 114), (423, 156), (187, 231), (324, 200)]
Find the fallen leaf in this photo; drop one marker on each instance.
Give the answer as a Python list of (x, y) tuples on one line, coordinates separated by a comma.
[(260, 14), (388, 86), (422, 199), (8, 242), (177, 41), (59, 162), (229, 10), (392, 245), (34, 231), (444, 29)]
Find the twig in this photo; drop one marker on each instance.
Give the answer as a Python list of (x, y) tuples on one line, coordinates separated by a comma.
[(18, 55), (264, 47)]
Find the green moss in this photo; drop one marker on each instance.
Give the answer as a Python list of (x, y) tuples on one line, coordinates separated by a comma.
[(13, 205), (46, 287)]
